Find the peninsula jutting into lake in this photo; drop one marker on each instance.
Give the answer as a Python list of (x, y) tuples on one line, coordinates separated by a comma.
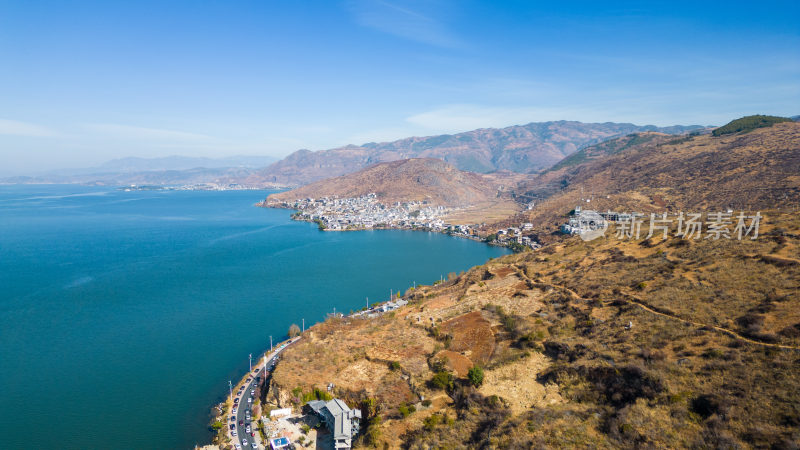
[(399, 225)]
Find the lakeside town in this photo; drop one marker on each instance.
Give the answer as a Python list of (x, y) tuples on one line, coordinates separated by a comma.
[(367, 212)]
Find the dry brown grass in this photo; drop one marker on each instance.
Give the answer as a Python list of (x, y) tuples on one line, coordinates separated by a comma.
[(561, 360), (702, 173)]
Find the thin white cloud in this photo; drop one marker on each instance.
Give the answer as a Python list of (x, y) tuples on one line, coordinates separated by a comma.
[(403, 21), (380, 135), (17, 128), (456, 118), (132, 132)]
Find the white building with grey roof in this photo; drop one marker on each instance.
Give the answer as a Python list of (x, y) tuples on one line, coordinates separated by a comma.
[(342, 421)]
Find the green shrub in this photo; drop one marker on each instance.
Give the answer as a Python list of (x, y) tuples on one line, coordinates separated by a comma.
[(442, 380), (373, 433), (406, 410), (431, 421), (475, 376)]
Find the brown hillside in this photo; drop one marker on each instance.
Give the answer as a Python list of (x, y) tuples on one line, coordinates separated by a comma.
[(418, 179), (605, 344), (700, 173), (612, 343)]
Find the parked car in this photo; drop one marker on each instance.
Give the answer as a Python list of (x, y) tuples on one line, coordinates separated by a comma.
[(254, 445), (233, 427), (233, 418)]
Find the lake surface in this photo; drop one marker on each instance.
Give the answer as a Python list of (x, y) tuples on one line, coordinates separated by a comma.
[(124, 314)]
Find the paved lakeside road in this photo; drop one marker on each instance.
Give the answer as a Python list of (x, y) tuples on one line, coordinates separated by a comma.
[(248, 383)]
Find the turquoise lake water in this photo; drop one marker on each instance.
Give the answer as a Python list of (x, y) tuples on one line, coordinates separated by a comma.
[(124, 314)]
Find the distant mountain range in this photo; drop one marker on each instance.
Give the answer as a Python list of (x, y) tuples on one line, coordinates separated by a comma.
[(170, 170), (527, 148), (133, 164), (646, 171), (748, 170)]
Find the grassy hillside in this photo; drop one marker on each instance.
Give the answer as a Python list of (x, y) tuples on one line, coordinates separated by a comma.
[(612, 343), (607, 148), (607, 343), (749, 123), (691, 173)]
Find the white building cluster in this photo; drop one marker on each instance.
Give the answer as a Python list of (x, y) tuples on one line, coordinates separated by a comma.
[(366, 212), (517, 235)]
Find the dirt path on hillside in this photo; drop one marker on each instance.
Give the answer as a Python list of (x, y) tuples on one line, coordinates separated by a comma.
[(637, 302)]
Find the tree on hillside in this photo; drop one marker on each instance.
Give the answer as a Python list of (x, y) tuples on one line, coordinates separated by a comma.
[(475, 376), (294, 330)]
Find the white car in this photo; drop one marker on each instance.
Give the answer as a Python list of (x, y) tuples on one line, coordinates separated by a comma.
[(244, 441), (249, 399), (255, 445), (238, 447)]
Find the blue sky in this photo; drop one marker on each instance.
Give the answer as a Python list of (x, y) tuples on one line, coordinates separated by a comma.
[(85, 82)]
